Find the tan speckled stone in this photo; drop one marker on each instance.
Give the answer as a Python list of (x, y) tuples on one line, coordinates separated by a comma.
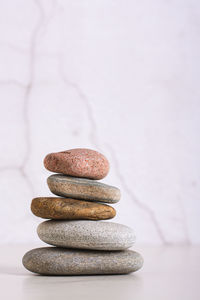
[(58, 261), (78, 162), (82, 188), (70, 209)]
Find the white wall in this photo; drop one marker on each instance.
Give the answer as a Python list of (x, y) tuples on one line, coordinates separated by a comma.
[(121, 77)]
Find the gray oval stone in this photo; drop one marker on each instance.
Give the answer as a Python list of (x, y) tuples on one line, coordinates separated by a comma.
[(95, 235), (81, 188), (59, 261)]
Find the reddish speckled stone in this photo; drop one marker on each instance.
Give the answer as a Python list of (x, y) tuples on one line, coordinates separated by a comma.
[(78, 162)]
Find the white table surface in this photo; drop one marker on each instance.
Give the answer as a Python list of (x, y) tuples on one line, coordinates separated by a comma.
[(168, 273)]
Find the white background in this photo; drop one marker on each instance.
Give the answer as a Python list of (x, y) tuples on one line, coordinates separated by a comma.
[(121, 77)]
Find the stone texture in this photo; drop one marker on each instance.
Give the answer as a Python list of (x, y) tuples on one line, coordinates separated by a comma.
[(70, 209), (79, 163), (58, 261), (86, 235), (81, 188)]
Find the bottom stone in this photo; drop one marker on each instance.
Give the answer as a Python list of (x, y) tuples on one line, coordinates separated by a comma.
[(61, 261)]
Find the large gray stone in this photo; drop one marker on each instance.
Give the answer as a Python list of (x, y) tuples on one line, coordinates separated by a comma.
[(59, 261), (81, 188), (95, 235)]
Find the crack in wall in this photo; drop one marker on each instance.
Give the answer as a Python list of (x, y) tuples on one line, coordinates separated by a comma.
[(28, 90), (18, 169), (27, 93), (143, 206), (94, 141), (137, 202)]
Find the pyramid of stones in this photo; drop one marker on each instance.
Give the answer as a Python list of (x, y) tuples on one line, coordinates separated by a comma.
[(83, 244)]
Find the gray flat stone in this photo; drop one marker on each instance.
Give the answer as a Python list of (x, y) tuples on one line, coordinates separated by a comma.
[(81, 188), (95, 235), (59, 261)]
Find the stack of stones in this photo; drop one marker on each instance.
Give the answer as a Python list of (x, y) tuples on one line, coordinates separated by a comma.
[(84, 245)]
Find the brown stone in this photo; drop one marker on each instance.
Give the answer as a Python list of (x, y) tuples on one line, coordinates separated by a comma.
[(78, 163), (70, 209)]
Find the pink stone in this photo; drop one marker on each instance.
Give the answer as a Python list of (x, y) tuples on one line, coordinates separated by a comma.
[(78, 163)]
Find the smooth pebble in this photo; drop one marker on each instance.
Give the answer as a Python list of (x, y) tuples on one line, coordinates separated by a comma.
[(78, 162), (70, 209), (81, 188), (86, 234), (59, 261)]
